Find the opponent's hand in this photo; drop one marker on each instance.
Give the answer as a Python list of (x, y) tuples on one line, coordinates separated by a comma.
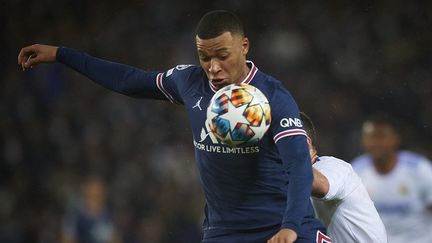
[(33, 55), (284, 236)]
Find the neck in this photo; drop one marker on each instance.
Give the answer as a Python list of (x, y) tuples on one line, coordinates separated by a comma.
[(243, 74), (386, 165)]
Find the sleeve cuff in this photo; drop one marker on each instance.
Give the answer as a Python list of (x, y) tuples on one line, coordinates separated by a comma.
[(60, 54), (331, 194)]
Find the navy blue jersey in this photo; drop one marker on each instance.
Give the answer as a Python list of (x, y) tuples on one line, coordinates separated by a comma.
[(252, 187), (84, 227)]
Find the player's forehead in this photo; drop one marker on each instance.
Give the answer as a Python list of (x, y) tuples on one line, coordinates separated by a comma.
[(378, 128), (223, 42)]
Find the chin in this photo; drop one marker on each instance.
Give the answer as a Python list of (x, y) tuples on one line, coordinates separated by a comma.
[(381, 159)]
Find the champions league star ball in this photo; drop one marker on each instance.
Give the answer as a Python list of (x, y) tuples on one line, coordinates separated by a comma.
[(238, 114)]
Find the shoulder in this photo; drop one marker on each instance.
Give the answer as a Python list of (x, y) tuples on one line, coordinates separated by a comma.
[(332, 160), (280, 99), (183, 70), (268, 84), (340, 176), (361, 162), (411, 159), (181, 78), (330, 163)]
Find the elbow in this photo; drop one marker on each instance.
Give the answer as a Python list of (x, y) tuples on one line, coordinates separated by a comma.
[(318, 191), (124, 83)]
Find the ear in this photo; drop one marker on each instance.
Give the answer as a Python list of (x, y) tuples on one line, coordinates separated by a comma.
[(245, 46), (312, 150), (309, 142)]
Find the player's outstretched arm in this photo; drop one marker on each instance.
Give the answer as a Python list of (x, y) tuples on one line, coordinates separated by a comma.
[(33, 55), (118, 77), (320, 185)]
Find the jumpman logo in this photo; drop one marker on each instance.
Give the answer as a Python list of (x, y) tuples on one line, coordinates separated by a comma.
[(198, 104)]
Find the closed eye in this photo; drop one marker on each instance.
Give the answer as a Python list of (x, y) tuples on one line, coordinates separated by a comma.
[(204, 58), (223, 55)]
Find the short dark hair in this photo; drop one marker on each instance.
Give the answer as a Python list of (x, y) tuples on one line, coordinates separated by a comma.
[(309, 127), (383, 119), (215, 23)]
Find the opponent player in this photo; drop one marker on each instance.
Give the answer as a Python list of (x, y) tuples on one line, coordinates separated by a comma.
[(340, 199), (399, 182), (254, 194)]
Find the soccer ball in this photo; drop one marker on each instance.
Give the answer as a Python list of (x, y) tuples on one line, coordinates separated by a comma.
[(238, 114)]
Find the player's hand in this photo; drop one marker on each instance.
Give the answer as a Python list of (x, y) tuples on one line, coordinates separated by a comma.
[(33, 55), (284, 236)]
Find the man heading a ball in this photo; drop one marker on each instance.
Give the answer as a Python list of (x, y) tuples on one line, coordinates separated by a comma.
[(253, 194)]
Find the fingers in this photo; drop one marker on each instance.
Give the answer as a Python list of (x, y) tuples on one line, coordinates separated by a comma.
[(25, 53), (279, 240), (27, 61), (33, 55), (30, 56), (32, 60), (26, 57), (21, 55), (283, 236)]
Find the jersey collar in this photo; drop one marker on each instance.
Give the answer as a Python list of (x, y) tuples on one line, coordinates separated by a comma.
[(253, 70)]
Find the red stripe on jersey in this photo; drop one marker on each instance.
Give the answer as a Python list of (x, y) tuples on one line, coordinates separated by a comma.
[(162, 89), (322, 238), (288, 133), (212, 87), (251, 74)]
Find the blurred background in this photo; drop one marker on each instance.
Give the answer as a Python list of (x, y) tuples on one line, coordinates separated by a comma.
[(74, 154)]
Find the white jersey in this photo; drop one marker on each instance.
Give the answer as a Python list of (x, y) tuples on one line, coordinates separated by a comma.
[(346, 210), (401, 196)]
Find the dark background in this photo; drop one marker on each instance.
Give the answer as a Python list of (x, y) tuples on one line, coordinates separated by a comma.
[(341, 60)]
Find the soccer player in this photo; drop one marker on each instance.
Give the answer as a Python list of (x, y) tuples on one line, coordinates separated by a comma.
[(257, 193), (340, 199), (398, 181), (89, 219)]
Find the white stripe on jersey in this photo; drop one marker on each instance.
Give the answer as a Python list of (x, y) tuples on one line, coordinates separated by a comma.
[(162, 89), (288, 133), (251, 74)]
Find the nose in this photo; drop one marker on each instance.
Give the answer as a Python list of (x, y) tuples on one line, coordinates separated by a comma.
[(215, 66)]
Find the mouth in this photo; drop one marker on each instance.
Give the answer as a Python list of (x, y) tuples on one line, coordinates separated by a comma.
[(219, 81)]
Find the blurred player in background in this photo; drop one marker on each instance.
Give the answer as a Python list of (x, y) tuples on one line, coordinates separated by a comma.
[(259, 193), (340, 199), (89, 219), (399, 182)]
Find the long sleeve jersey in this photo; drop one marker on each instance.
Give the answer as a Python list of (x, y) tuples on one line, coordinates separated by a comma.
[(248, 187)]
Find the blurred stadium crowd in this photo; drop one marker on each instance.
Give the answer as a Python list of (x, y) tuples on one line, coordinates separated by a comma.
[(341, 61)]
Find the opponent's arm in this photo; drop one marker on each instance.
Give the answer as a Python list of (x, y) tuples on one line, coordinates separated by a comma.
[(320, 185), (114, 76)]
